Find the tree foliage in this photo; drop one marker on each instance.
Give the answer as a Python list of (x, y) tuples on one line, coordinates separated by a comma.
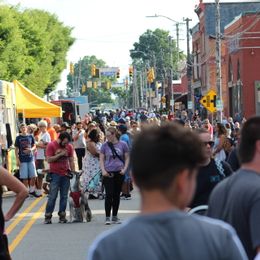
[(157, 49), (33, 47), (122, 94)]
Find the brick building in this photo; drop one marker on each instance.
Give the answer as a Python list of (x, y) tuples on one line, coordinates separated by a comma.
[(204, 45), (243, 62)]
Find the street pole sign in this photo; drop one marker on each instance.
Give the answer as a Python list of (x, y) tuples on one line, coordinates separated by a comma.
[(219, 105), (108, 71), (190, 105), (209, 101)]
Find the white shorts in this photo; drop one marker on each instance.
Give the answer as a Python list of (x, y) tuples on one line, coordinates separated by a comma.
[(27, 170)]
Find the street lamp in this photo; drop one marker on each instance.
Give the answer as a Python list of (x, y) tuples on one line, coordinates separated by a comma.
[(178, 55)]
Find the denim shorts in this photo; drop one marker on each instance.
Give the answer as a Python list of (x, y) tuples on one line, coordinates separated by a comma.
[(27, 170)]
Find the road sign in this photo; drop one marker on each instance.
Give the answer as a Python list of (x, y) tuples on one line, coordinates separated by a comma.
[(190, 105), (209, 101), (219, 105)]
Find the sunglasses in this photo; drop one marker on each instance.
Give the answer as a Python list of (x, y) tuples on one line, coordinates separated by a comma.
[(210, 143)]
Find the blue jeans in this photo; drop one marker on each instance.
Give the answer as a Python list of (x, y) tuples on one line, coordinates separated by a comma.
[(58, 183)]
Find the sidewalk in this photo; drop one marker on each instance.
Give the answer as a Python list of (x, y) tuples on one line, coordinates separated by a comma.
[(7, 194)]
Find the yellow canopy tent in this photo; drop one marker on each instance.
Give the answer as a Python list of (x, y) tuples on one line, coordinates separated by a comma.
[(33, 106)]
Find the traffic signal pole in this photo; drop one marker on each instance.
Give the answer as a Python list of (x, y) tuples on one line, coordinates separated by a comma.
[(189, 68), (218, 60)]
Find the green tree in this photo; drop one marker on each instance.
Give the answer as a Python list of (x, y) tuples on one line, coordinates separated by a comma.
[(33, 47), (156, 49), (122, 95)]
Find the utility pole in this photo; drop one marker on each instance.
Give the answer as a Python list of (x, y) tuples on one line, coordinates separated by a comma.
[(178, 42), (136, 94), (189, 69), (141, 89), (79, 78), (171, 77), (218, 61), (133, 89), (145, 86)]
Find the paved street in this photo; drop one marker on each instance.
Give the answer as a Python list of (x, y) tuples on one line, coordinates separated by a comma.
[(30, 239)]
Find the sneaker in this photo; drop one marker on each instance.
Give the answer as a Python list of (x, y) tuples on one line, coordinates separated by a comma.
[(91, 197), (63, 220), (34, 194), (47, 219), (128, 197), (107, 222), (62, 216), (116, 220), (100, 196)]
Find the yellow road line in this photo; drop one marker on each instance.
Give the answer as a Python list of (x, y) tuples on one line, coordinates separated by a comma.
[(10, 228), (26, 228)]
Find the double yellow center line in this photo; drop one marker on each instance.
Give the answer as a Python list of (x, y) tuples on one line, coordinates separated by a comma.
[(28, 225)]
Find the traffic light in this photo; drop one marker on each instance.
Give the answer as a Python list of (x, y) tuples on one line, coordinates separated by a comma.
[(94, 84), (130, 72), (84, 88), (93, 70), (150, 75), (118, 74), (108, 85), (96, 73), (71, 69)]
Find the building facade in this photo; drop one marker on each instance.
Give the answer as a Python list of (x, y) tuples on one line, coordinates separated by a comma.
[(204, 53), (243, 56)]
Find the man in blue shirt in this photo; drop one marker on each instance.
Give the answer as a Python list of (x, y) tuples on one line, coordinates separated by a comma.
[(24, 149)]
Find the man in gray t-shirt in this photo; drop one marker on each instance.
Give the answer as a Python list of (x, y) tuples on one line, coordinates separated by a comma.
[(236, 200), (164, 160)]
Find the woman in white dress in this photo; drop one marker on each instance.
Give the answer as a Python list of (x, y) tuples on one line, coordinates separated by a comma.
[(91, 175), (220, 138)]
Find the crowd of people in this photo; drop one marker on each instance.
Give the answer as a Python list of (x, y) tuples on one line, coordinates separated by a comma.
[(166, 155), (102, 143), (166, 162)]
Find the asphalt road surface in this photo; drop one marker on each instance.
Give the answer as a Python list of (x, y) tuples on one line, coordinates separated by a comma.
[(30, 239)]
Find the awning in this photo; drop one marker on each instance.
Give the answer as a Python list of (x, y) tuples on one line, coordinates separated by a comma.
[(33, 106)]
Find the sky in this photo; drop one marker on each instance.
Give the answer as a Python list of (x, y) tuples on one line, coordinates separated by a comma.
[(108, 29)]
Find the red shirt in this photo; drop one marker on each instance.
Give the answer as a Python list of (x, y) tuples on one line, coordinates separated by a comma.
[(61, 166)]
